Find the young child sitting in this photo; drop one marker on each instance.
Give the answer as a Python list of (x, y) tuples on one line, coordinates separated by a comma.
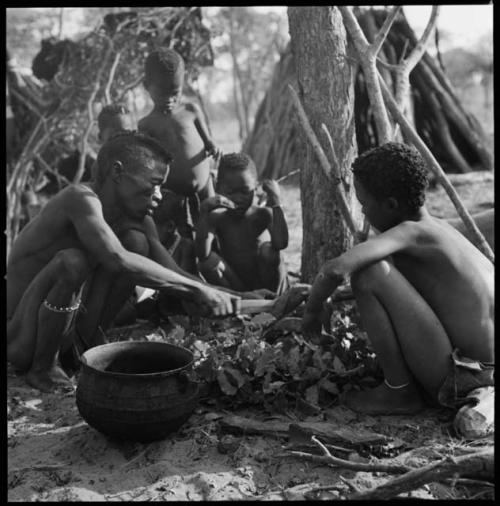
[(424, 292), (180, 128), (250, 237)]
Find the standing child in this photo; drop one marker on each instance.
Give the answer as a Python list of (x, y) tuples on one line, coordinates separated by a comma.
[(250, 237), (179, 126), (424, 292)]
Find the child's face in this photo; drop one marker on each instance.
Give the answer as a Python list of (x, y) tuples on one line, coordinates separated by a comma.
[(381, 214), (165, 94), (116, 124), (238, 187)]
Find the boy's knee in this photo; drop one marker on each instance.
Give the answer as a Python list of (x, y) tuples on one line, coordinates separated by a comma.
[(268, 254), (368, 277), (212, 263), (73, 266), (135, 241)]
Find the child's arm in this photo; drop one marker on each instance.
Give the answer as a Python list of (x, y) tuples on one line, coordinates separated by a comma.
[(278, 227), (333, 272), (205, 230), (201, 127)]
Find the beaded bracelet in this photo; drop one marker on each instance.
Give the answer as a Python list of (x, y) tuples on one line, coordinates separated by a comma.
[(61, 309)]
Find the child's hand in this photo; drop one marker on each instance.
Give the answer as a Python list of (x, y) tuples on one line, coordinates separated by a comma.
[(212, 150), (216, 202), (272, 189)]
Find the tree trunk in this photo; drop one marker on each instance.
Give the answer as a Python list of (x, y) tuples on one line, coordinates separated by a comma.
[(325, 81)]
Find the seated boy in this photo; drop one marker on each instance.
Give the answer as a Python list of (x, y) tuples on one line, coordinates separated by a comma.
[(424, 292), (181, 129), (250, 237), (91, 245)]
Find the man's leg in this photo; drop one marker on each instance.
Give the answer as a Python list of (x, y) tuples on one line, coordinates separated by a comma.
[(409, 340), (36, 330), (107, 294), (272, 269), (217, 272)]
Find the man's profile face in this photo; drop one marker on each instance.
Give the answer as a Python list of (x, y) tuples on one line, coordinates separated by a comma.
[(375, 211), (139, 187)]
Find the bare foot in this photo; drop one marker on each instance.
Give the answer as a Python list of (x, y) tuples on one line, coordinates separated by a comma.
[(49, 381), (383, 400)]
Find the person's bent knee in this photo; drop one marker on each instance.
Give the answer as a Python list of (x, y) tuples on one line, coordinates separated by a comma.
[(268, 254), (213, 262), (366, 278), (135, 241), (72, 266)]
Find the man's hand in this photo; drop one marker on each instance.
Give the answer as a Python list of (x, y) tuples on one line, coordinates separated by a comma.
[(311, 324), (272, 189), (213, 302), (216, 202)]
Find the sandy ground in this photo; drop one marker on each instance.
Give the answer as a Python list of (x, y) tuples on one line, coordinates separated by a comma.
[(53, 455)]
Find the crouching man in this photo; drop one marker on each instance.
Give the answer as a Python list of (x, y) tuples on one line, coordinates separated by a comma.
[(73, 266)]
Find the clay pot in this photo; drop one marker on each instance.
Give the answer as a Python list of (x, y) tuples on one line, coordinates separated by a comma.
[(136, 390)]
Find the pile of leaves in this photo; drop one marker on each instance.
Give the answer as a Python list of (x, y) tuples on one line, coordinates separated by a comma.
[(244, 361)]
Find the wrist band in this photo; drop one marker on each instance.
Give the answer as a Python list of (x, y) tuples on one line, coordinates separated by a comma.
[(61, 309), (396, 387)]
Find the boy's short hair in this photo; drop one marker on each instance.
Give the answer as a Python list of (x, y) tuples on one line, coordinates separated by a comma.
[(110, 111), (233, 162), (171, 208), (128, 146), (393, 170), (164, 63)]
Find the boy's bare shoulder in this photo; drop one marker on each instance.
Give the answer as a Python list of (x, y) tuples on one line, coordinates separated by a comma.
[(191, 107)]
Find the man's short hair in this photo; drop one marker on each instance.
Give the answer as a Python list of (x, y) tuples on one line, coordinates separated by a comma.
[(164, 63), (234, 162), (110, 111), (129, 148), (393, 170)]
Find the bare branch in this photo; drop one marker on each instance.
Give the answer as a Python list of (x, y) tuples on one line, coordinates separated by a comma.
[(419, 49), (382, 34), (107, 90), (325, 165), (356, 33)]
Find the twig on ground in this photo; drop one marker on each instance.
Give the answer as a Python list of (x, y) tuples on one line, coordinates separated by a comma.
[(482, 461)]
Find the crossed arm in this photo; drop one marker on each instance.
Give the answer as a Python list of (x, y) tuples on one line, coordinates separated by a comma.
[(333, 272)]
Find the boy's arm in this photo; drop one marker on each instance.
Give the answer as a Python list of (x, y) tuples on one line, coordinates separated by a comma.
[(333, 272), (278, 228), (205, 230), (201, 127)]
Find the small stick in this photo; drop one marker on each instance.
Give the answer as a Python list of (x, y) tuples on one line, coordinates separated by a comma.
[(355, 466), (325, 165), (286, 176)]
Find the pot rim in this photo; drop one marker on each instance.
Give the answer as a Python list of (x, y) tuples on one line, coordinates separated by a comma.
[(160, 374)]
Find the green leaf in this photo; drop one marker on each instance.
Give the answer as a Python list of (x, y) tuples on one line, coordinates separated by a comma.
[(312, 395), (224, 384), (264, 362), (338, 366)]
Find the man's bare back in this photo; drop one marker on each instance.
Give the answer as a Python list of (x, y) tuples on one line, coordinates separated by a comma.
[(456, 280)]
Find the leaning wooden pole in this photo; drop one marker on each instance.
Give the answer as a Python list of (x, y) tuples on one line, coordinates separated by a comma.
[(437, 170)]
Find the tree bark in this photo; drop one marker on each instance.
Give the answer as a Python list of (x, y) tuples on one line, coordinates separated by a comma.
[(325, 81)]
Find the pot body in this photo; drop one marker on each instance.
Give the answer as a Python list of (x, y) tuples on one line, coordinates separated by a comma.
[(136, 390)]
